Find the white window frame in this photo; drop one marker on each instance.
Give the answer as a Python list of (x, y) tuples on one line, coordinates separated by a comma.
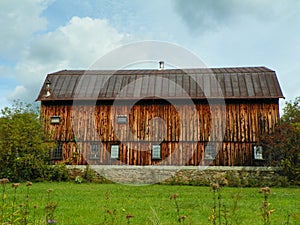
[(122, 119), (258, 152), (114, 152), (55, 119)]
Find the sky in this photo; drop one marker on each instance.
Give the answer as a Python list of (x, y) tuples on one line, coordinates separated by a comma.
[(38, 37)]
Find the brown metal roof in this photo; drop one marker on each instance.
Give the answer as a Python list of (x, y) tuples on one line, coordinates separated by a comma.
[(228, 83)]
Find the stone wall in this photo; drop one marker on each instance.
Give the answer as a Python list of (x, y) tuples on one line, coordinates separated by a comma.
[(189, 175)]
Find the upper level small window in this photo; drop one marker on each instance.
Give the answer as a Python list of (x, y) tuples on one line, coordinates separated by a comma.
[(114, 152), (122, 119), (156, 152), (55, 119)]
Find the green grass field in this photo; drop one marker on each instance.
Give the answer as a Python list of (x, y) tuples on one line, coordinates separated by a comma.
[(90, 203)]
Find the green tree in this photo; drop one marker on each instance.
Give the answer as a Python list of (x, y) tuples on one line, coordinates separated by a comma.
[(291, 112), (24, 148), (283, 146)]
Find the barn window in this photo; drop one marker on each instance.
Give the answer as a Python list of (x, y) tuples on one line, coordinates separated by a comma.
[(258, 152), (156, 152), (55, 119), (122, 119), (94, 151), (57, 153), (114, 151), (210, 152)]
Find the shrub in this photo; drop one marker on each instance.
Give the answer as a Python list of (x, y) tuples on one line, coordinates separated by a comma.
[(24, 148), (283, 145)]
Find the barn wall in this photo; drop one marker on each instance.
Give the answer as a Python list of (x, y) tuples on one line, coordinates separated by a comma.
[(182, 129)]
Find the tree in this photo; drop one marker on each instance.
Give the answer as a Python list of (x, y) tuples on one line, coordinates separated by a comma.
[(283, 145), (24, 148), (291, 112)]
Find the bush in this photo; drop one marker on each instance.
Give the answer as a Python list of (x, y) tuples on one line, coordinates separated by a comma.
[(58, 172), (24, 148), (283, 145)]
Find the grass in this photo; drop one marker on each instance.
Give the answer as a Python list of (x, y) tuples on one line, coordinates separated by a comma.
[(90, 203)]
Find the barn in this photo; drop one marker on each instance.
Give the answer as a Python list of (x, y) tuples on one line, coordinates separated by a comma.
[(205, 116)]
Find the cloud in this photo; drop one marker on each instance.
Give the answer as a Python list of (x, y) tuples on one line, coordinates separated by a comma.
[(18, 21), (78, 44), (18, 92), (28, 51), (210, 15)]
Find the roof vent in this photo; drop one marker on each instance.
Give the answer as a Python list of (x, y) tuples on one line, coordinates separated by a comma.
[(161, 65)]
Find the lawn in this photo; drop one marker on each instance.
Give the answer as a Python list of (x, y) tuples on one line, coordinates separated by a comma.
[(90, 203)]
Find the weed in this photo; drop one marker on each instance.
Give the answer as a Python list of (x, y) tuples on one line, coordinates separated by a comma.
[(265, 207), (128, 218), (180, 218), (154, 219), (50, 209), (3, 183), (109, 214), (236, 197), (217, 182)]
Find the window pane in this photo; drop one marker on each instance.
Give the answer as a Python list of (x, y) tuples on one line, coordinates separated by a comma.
[(122, 119), (156, 152), (55, 119), (210, 152), (258, 152), (94, 151), (57, 153), (114, 152)]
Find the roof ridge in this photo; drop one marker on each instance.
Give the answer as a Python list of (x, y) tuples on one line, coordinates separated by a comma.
[(242, 69)]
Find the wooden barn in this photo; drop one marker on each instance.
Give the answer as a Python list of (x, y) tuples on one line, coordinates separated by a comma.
[(207, 116)]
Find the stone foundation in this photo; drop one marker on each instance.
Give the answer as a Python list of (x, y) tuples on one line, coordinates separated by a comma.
[(188, 175)]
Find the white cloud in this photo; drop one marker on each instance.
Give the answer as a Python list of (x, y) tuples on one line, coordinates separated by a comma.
[(18, 21), (18, 92), (78, 44)]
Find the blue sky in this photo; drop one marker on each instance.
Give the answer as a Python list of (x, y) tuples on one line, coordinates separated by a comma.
[(42, 36)]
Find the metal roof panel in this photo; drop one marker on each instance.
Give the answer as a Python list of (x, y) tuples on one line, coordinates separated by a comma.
[(238, 82)]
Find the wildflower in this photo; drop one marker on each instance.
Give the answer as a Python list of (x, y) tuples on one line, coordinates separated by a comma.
[(182, 217), (15, 185), (215, 186), (265, 190), (4, 181), (174, 196), (51, 221), (129, 216)]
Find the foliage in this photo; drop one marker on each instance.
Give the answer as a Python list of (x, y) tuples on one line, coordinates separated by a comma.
[(283, 145), (58, 172), (291, 112), (24, 148)]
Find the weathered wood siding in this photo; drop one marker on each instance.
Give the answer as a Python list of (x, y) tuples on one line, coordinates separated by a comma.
[(183, 130)]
